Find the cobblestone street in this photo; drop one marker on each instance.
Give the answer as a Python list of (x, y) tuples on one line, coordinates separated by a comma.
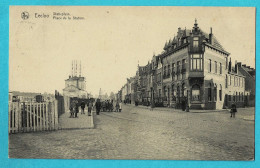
[(138, 133)]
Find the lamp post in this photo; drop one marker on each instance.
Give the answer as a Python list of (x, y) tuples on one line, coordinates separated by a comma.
[(187, 105)]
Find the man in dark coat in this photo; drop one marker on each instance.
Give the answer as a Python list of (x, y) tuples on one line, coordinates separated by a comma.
[(82, 105), (233, 110), (77, 109), (98, 106)]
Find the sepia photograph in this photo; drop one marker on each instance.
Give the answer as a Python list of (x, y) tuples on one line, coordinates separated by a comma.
[(132, 83)]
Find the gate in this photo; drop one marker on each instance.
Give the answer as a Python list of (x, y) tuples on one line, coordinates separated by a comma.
[(31, 117)]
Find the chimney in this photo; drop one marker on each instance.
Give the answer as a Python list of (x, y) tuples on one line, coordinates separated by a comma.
[(236, 67), (179, 32), (210, 36), (80, 69), (239, 64), (230, 65)]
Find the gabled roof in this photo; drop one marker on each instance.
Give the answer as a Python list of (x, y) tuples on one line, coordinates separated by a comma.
[(71, 87)]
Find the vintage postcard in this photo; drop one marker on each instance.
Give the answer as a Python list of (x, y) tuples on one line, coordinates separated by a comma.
[(141, 83)]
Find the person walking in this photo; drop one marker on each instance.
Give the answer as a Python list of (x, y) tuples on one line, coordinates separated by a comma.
[(82, 105), (117, 106), (152, 105), (71, 109), (76, 108), (120, 106), (89, 108), (233, 110), (98, 106)]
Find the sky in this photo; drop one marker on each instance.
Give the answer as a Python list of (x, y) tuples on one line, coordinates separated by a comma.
[(111, 41)]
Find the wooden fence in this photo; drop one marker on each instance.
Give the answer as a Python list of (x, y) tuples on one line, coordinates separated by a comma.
[(30, 117)]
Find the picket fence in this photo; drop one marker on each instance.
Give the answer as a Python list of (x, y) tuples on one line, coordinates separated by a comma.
[(31, 117)]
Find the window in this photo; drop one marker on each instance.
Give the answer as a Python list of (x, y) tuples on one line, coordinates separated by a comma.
[(183, 89), (242, 97), (230, 80), (239, 96), (195, 93), (226, 81), (164, 91), (160, 94), (164, 71), (195, 42), (209, 92), (169, 69), (173, 67), (173, 91), (210, 65), (178, 91), (178, 65), (220, 93), (234, 81), (196, 62), (226, 62), (183, 63), (159, 77), (229, 97), (216, 67), (215, 93), (220, 68)]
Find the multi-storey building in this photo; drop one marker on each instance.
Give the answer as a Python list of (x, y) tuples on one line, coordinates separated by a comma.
[(195, 69)]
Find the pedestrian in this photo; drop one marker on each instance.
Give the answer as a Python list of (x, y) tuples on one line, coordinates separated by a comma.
[(233, 110), (152, 105), (117, 106), (120, 106), (98, 106), (89, 108), (71, 110), (82, 105), (76, 108)]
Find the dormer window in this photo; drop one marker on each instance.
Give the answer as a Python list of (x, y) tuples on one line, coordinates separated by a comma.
[(195, 42)]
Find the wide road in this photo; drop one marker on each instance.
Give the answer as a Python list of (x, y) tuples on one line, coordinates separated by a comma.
[(138, 133)]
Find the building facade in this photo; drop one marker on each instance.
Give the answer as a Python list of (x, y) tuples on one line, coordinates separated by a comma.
[(194, 69)]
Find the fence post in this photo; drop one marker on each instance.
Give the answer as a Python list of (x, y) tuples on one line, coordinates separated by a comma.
[(12, 117), (52, 115), (16, 121), (44, 116), (47, 116), (33, 111), (9, 116), (56, 114), (30, 113), (41, 117), (19, 118)]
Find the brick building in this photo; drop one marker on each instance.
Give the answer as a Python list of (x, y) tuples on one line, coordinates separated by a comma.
[(194, 69)]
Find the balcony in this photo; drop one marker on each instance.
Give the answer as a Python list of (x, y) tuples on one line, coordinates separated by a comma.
[(165, 76)]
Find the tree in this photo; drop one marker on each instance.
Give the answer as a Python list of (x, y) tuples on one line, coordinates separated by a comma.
[(112, 96)]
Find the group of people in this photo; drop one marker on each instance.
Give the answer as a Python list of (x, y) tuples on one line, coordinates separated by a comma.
[(107, 105), (75, 105)]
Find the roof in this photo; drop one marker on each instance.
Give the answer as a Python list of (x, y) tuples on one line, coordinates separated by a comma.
[(183, 33), (25, 94), (76, 78)]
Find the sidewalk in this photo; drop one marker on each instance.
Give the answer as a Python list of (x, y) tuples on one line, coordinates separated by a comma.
[(179, 110), (83, 121)]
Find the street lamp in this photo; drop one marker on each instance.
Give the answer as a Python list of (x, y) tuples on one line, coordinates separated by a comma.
[(187, 105)]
